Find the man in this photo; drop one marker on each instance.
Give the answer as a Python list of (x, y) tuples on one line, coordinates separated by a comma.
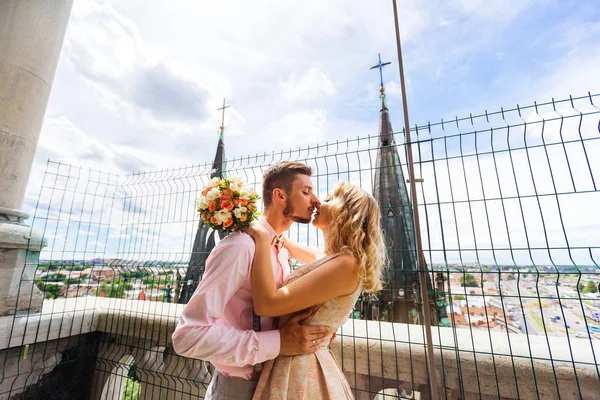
[(216, 324)]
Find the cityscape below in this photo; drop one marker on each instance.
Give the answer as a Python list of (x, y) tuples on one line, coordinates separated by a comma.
[(550, 300)]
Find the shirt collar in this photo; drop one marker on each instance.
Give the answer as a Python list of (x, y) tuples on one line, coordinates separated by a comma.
[(272, 234)]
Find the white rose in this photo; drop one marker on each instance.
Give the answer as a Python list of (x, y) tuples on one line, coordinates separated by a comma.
[(214, 181), (239, 211), (202, 203), (222, 215), (245, 191), (213, 194), (235, 184)]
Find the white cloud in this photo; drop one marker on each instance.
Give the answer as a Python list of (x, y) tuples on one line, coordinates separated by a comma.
[(62, 140), (312, 85), (108, 51), (306, 126), (393, 89)]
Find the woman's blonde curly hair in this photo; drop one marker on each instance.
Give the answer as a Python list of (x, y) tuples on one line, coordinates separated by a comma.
[(355, 228)]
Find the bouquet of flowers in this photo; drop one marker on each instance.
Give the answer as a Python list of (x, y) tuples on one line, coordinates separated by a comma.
[(227, 203)]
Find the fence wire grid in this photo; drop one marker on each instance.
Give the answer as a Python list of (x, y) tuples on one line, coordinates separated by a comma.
[(509, 225)]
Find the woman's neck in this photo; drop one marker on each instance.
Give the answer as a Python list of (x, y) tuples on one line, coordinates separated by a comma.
[(326, 250)]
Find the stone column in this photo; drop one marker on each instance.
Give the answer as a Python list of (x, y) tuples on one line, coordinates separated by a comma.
[(31, 36)]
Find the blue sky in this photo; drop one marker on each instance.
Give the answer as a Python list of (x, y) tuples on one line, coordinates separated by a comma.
[(138, 85)]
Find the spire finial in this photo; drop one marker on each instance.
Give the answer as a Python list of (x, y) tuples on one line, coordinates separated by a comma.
[(223, 115), (380, 66)]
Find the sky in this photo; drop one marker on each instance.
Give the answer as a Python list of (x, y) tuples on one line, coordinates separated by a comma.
[(138, 86)]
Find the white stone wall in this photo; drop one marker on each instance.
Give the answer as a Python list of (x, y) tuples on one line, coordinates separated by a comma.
[(374, 355)]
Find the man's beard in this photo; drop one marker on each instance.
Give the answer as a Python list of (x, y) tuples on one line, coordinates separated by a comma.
[(288, 212)]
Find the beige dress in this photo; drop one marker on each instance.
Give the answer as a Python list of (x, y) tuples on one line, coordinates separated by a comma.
[(310, 376)]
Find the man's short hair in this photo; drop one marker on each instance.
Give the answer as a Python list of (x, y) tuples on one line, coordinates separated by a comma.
[(282, 175)]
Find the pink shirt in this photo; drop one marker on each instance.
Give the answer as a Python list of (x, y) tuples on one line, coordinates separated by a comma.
[(216, 324)]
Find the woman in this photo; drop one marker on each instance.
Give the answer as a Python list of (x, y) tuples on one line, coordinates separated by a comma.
[(354, 256)]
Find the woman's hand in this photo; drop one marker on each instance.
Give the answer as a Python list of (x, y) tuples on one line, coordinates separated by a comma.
[(257, 232)]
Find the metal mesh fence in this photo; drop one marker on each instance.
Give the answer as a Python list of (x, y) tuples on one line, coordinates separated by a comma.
[(508, 205)]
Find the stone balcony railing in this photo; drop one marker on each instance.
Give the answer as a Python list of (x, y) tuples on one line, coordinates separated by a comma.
[(102, 337)]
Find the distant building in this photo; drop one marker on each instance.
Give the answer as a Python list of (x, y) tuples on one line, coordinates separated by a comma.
[(103, 273), (463, 314), (79, 290)]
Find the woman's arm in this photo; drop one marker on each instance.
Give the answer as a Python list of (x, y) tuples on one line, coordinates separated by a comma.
[(334, 278), (299, 252)]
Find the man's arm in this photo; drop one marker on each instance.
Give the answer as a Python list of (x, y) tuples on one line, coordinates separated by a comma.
[(199, 335)]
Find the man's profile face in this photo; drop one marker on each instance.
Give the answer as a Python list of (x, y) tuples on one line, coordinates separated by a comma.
[(301, 201)]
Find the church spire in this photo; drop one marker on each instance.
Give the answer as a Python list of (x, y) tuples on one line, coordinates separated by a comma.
[(386, 135), (219, 167), (205, 238), (398, 301)]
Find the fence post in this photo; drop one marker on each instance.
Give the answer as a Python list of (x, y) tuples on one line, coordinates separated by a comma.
[(413, 193)]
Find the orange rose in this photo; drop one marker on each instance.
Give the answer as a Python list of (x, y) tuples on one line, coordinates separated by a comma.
[(205, 192), (214, 221), (243, 201), (244, 217), (212, 206), (226, 205), (226, 194), (228, 223)]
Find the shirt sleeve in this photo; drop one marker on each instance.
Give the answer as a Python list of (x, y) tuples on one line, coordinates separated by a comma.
[(199, 333)]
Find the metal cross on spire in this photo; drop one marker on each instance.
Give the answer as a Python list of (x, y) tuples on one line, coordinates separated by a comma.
[(223, 115), (380, 65)]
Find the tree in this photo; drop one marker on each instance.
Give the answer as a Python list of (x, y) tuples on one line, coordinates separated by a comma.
[(52, 291), (134, 274), (131, 391), (149, 280), (458, 297), (468, 280), (52, 265), (53, 277), (580, 287), (590, 287), (40, 284), (71, 281), (115, 289)]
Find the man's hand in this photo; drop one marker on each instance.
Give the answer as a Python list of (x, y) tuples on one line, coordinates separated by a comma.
[(301, 339)]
